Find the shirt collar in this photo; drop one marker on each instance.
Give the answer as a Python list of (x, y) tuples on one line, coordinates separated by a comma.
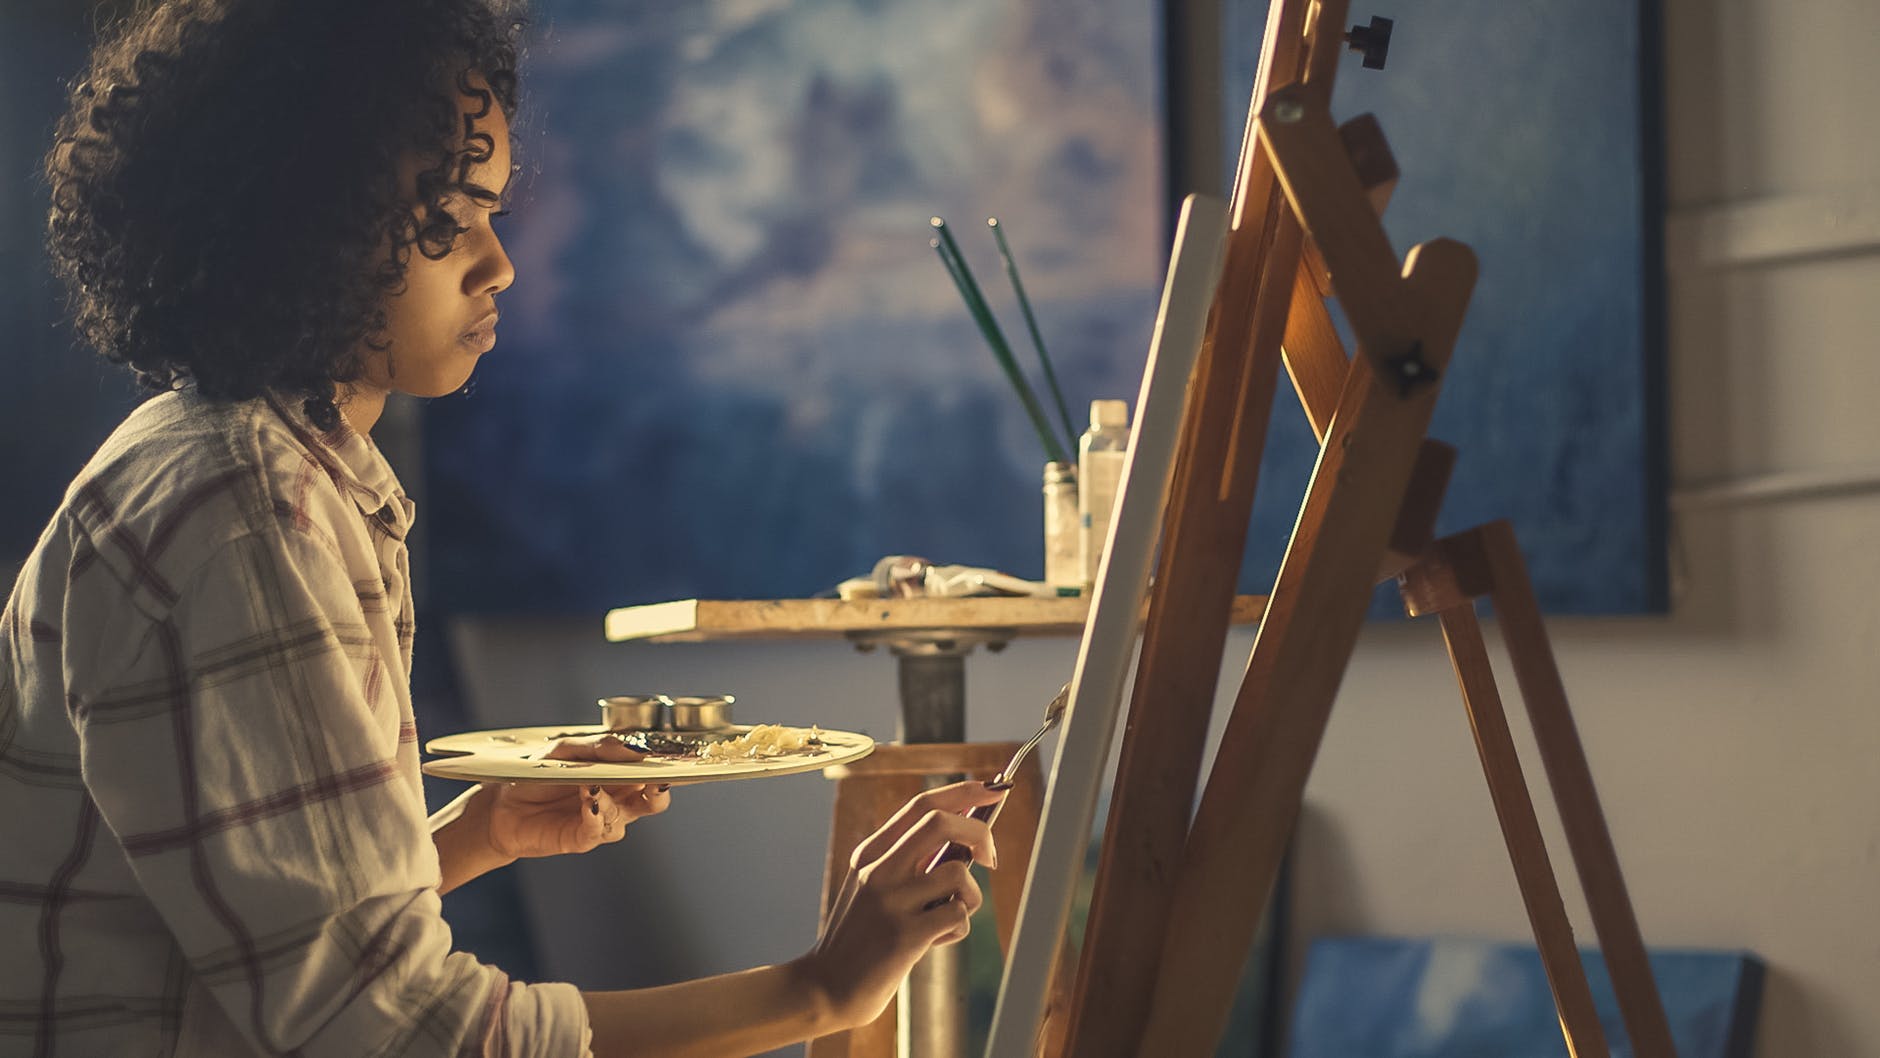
[(354, 463)]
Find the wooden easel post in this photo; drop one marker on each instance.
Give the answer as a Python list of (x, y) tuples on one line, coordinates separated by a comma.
[(1204, 532), (1177, 907)]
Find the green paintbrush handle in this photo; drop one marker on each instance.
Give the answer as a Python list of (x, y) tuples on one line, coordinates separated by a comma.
[(1031, 323), (989, 328)]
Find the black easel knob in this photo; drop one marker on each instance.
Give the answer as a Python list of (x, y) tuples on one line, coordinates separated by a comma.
[(1373, 40), (1409, 370)]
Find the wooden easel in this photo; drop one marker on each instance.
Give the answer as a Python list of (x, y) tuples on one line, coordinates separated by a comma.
[(1177, 905)]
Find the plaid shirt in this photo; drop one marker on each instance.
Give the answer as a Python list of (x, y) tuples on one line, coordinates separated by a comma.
[(213, 837)]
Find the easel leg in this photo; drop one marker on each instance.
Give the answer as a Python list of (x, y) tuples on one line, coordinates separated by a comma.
[(1533, 871), (1564, 759)]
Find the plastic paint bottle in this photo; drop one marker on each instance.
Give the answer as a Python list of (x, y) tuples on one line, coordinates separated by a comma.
[(1100, 455)]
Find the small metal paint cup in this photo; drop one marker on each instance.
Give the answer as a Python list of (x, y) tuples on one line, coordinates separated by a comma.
[(702, 714), (633, 712)]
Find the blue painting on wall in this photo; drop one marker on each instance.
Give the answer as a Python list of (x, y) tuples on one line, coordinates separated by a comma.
[(1523, 128), (731, 366), (1455, 998)]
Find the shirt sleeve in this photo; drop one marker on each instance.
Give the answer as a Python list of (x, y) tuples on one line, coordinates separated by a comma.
[(253, 782)]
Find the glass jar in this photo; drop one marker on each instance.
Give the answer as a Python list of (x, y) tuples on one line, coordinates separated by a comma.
[(1063, 561)]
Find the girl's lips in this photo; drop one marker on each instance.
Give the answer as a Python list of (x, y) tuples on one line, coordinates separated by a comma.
[(482, 335), (481, 341)]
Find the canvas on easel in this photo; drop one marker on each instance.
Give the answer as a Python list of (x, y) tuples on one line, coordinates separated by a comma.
[(1177, 902), (1105, 651)]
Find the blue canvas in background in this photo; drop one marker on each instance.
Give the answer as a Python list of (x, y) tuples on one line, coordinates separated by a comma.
[(1527, 130), (1373, 997)]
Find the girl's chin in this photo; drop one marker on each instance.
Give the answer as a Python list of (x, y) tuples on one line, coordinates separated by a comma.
[(436, 383)]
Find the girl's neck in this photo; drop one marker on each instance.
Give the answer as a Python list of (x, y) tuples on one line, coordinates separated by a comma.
[(360, 404)]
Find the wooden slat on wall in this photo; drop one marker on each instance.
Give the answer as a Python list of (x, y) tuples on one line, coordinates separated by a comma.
[(1782, 228)]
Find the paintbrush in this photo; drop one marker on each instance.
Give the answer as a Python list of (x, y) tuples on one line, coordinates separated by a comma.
[(962, 274), (1031, 324), (988, 814)]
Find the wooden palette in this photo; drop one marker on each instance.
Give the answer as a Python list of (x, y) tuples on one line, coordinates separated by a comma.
[(515, 755)]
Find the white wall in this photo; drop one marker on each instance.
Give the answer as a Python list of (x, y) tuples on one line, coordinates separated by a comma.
[(1736, 743)]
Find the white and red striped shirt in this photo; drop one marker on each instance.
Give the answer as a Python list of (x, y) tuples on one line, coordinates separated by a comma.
[(212, 833)]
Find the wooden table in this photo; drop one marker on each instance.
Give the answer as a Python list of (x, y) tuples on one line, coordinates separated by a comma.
[(930, 638), (699, 620)]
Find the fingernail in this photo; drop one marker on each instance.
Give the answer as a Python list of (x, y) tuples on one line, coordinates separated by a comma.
[(594, 807)]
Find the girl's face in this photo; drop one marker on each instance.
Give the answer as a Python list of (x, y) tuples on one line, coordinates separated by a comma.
[(444, 318)]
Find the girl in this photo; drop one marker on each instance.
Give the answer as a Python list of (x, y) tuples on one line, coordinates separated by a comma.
[(276, 213)]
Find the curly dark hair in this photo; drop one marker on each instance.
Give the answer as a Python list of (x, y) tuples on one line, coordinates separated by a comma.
[(227, 210)]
